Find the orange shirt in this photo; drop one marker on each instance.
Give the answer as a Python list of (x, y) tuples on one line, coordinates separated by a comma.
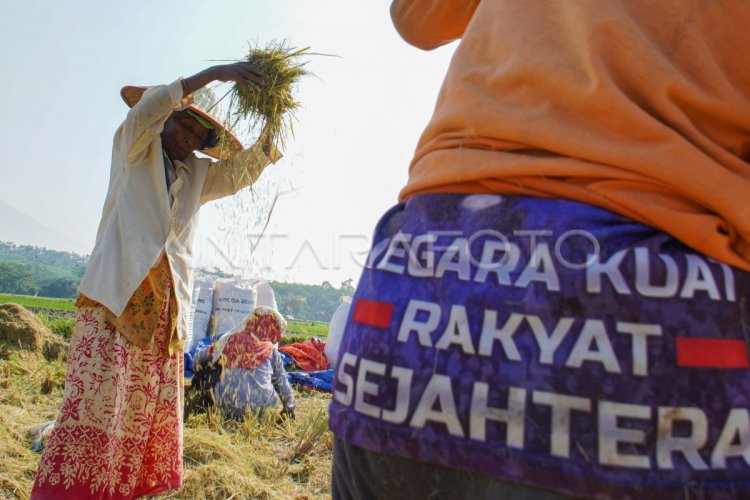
[(641, 107), (146, 310)]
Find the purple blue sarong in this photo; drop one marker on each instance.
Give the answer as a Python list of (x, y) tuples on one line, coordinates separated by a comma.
[(549, 343)]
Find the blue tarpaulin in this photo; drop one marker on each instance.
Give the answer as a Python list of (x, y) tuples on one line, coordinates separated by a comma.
[(189, 355), (321, 380)]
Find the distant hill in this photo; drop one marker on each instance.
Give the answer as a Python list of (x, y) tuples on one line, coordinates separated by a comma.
[(19, 228)]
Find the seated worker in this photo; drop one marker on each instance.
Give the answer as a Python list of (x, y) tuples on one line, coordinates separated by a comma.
[(243, 370)]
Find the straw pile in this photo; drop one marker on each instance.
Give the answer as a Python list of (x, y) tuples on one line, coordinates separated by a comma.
[(260, 457), (30, 394), (22, 329), (274, 103)]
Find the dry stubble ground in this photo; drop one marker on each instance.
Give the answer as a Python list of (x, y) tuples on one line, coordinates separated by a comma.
[(259, 458)]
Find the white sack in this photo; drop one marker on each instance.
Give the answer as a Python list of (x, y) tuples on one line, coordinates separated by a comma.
[(233, 301), (200, 312)]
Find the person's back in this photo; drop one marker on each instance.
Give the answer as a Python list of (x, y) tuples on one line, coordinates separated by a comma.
[(242, 371), (551, 310), (641, 107), (241, 390)]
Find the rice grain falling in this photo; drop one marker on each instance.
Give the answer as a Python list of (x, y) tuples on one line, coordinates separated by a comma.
[(273, 103), (249, 110)]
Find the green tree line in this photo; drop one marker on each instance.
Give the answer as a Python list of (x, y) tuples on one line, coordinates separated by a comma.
[(312, 302), (27, 270), (30, 270)]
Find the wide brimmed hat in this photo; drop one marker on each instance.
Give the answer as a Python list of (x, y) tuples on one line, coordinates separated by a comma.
[(228, 144)]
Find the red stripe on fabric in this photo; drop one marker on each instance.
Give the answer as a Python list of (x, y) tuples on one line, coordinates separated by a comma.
[(712, 353), (373, 313)]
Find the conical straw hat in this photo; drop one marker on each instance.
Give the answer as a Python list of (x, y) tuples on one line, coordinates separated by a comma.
[(228, 144)]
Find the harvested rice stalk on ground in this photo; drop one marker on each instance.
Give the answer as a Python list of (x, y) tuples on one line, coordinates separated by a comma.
[(274, 103)]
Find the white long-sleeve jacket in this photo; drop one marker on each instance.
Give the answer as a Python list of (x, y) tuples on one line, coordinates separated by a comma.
[(137, 223)]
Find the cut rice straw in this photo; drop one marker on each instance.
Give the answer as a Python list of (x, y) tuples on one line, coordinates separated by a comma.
[(273, 103)]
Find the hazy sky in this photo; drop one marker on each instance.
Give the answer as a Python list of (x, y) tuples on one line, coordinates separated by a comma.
[(63, 64)]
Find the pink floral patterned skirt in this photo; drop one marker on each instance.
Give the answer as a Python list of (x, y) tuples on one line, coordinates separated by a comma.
[(119, 431)]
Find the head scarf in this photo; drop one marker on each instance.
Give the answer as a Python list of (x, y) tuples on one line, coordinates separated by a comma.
[(251, 345)]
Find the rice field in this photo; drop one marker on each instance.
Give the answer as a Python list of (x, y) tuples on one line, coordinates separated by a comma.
[(294, 327), (39, 302), (307, 328)]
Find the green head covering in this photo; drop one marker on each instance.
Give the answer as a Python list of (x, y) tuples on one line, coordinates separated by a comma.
[(201, 120)]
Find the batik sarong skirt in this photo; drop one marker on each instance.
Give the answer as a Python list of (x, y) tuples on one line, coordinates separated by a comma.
[(119, 431), (548, 343)]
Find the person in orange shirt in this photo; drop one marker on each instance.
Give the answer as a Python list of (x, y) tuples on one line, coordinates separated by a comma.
[(558, 304)]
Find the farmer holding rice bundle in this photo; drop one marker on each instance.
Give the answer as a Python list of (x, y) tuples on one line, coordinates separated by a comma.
[(243, 371), (119, 431), (558, 306)]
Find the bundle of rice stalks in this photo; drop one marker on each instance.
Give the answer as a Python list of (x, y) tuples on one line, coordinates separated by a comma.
[(274, 103), (310, 435)]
